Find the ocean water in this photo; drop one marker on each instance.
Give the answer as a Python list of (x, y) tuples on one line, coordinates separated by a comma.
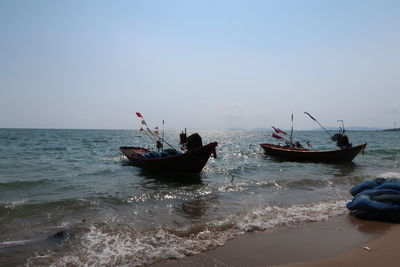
[(114, 214)]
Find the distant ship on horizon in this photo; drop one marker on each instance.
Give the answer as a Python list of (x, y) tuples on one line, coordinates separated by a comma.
[(393, 129)]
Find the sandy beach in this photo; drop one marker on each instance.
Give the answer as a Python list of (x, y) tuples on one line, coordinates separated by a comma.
[(380, 252), (340, 241)]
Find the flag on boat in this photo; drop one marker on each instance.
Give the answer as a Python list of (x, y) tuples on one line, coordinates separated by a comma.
[(277, 130), (143, 131), (139, 115), (276, 136)]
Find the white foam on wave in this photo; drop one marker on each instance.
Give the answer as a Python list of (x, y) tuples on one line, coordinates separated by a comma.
[(131, 248), (15, 243), (118, 158), (13, 204), (272, 216), (390, 175), (112, 245)]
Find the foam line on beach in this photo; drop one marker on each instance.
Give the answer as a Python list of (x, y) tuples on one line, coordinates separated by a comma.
[(112, 244)]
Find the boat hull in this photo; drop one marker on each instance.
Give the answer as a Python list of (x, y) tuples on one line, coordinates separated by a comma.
[(329, 156), (190, 161)]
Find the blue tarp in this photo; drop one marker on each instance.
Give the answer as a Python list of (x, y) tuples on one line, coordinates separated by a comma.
[(378, 199), (165, 153)]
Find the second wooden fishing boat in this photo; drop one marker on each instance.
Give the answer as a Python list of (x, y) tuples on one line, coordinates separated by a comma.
[(302, 154)]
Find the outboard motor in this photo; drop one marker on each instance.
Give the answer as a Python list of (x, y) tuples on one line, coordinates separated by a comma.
[(194, 141)]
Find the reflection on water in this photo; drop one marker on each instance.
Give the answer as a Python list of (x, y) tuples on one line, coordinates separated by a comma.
[(344, 169), (172, 178), (196, 209), (372, 227)]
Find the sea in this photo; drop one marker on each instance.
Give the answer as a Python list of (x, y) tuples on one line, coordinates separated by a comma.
[(69, 197)]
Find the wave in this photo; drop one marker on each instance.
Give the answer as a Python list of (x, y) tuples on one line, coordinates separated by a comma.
[(390, 175), (23, 184), (309, 182), (26, 206), (386, 154), (62, 148), (305, 182), (96, 172), (350, 180), (13, 204), (119, 158), (383, 151), (126, 245), (100, 140)]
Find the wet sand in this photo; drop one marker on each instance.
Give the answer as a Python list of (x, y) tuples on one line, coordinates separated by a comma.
[(383, 251), (339, 241)]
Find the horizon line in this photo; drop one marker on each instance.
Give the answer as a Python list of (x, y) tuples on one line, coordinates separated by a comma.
[(351, 128)]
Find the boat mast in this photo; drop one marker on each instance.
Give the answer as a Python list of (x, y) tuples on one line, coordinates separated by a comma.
[(291, 133), (163, 134), (342, 129)]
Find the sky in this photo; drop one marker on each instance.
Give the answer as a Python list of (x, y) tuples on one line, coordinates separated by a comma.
[(199, 64)]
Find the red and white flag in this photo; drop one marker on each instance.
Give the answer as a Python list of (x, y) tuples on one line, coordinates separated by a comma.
[(139, 115), (277, 130), (276, 136)]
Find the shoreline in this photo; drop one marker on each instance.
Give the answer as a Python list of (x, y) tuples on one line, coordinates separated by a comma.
[(338, 241)]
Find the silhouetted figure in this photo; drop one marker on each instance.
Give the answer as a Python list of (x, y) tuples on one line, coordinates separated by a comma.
[(159, 145), (297, 144), (341, 140), (194, 141)]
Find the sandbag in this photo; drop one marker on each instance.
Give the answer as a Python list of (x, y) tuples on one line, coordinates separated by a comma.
[(376, 200), (366, 203), (371, 184), (388, 198), (377, 192), (149, 155)]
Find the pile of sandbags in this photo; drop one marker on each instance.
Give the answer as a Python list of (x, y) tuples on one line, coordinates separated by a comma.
[(378, 199), (165, 153)]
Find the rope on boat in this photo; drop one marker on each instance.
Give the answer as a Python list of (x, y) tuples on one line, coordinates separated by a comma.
[(233, 176)]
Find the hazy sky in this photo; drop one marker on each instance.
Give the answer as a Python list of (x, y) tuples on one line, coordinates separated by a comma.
[(199, 64)]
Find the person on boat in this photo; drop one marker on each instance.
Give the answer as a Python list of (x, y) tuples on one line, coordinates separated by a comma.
[(159, 145), (297, 144), (341, 140), (193, 141)]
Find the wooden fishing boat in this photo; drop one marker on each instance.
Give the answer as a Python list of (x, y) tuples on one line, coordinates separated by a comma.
[(191, 161), (302, 154)]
